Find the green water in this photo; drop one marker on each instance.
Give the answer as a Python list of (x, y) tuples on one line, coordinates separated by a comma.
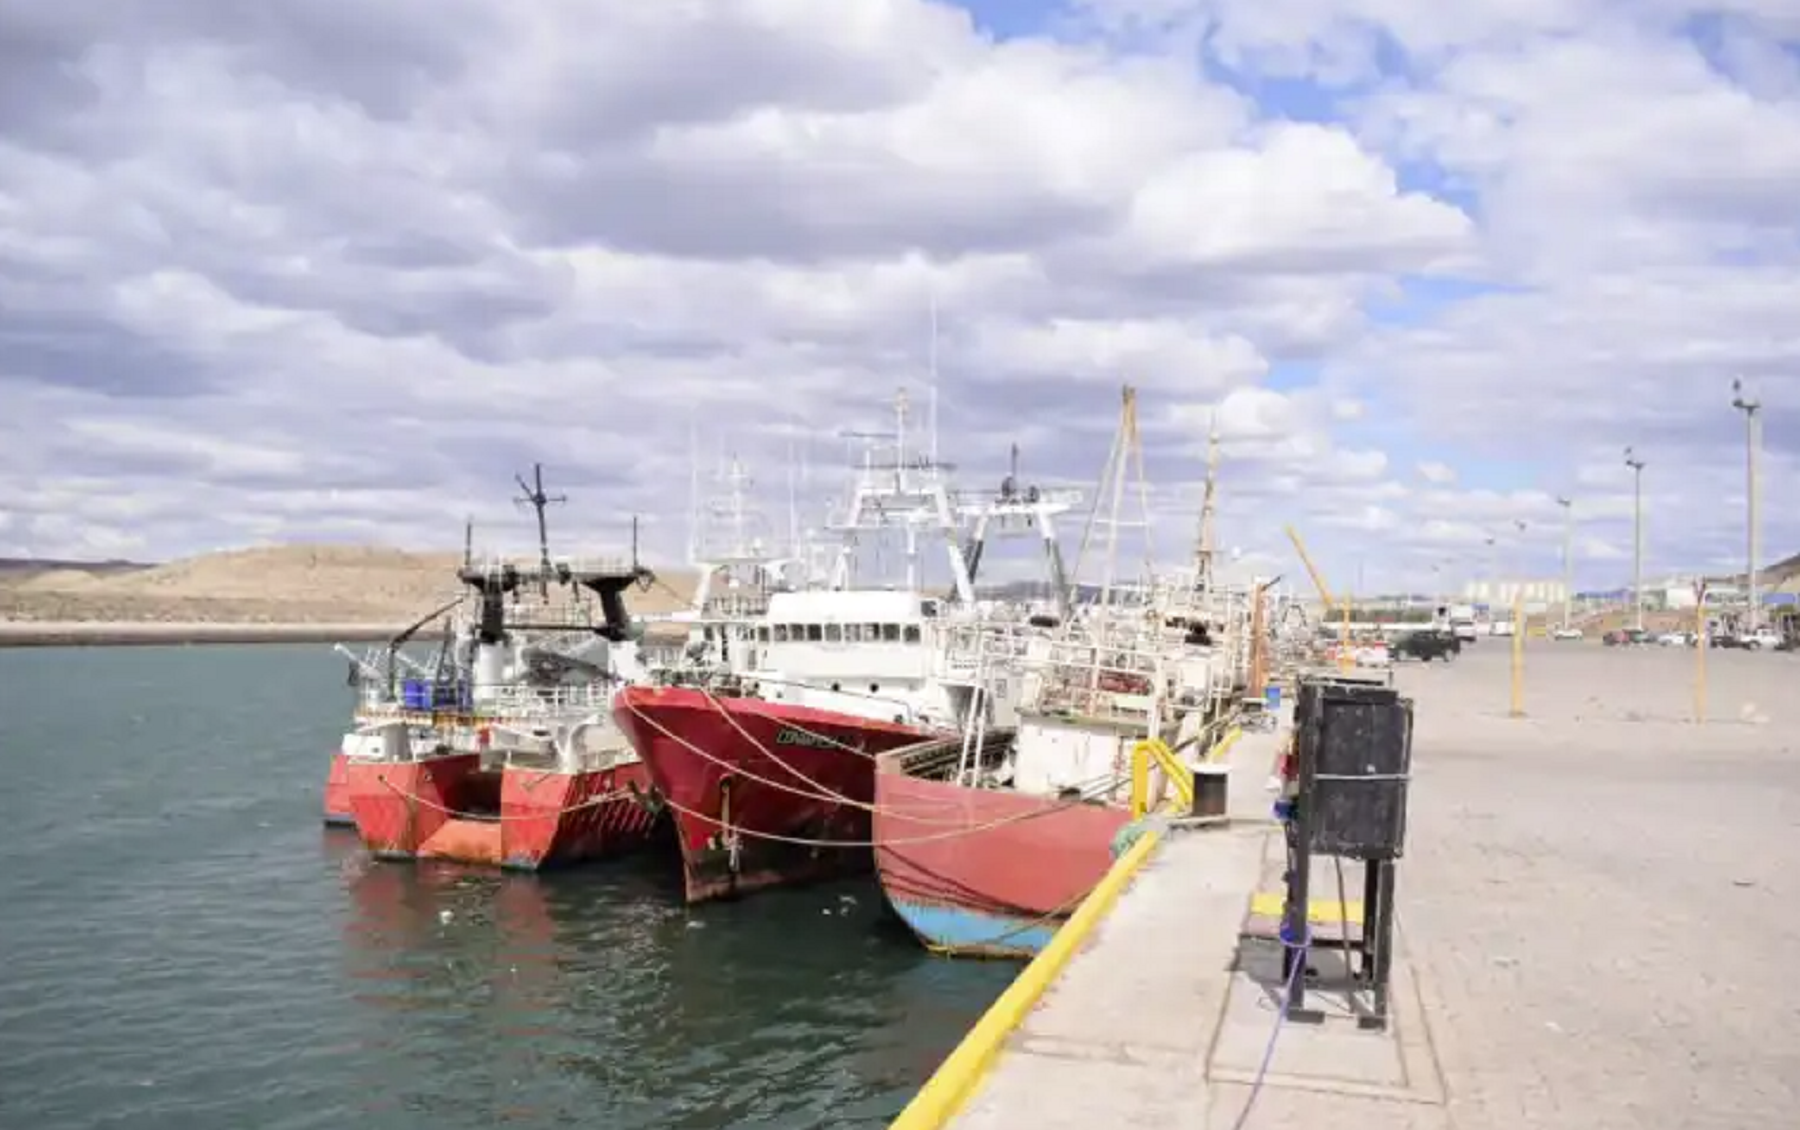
[(182, 944)]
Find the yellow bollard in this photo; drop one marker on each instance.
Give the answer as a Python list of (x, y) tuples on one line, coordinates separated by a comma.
[(1518, 654)]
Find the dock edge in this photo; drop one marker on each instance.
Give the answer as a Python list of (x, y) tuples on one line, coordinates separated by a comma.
[(962, 1071)]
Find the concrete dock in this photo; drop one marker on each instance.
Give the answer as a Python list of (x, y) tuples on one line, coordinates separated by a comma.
[(1597, 912)]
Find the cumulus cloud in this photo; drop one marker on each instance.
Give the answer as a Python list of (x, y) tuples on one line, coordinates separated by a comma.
[(334, 270)]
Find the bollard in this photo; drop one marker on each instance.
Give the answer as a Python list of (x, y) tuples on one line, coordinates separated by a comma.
[(1518, 654), (1700, 653)]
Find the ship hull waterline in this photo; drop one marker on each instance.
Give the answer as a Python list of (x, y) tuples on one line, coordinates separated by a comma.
[(1002, 887), (762, 794), (514, 817)]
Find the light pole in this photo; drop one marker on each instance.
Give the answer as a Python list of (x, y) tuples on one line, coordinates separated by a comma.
[(1568, 508), (1637, 537), (1752, 424)]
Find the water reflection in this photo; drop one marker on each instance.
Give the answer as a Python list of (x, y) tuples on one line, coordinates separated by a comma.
[(596, 994)]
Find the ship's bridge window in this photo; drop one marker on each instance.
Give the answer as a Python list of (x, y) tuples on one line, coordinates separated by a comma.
[(890, 633), (853, 633), (762, 634), (912, 633), (834, 633), (781, 633), (871, 632), (815, 633)]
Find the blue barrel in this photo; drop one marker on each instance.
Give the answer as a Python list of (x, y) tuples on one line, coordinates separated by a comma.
[(1272, 698)]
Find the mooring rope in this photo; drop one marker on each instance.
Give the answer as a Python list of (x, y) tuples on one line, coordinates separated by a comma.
[(938, 837), (501, 818), (814, 794), (1060, 911)]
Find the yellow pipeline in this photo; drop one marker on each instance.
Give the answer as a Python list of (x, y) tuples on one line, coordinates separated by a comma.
[(1141, 755), (956, 1079)]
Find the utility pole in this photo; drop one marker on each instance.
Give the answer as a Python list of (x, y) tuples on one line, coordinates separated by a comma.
[(1637, 537), (1493, 596), (1568, 506), (1752, 425)]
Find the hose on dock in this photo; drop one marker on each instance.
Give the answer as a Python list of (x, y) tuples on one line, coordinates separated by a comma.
[(1131, 833)]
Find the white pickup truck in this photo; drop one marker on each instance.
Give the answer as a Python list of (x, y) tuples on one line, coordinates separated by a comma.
[(1763, 638)]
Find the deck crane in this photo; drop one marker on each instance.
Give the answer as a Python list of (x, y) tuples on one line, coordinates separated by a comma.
[(1345, 661)]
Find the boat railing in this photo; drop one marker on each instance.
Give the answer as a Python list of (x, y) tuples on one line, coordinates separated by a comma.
[(525, 700), (966, 647), (493, 564)]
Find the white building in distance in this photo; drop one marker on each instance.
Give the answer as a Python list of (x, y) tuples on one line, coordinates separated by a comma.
[(1537, 594)]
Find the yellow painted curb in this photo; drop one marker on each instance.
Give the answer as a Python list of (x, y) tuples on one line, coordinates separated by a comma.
[(956, 1079), (1223, 745)]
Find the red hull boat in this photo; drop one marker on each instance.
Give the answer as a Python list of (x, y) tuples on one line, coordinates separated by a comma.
[(520, 818), (762, 792), (337, 793), (986, 872)]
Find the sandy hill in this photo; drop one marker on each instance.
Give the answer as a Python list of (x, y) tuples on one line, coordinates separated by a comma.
[(270, 584)]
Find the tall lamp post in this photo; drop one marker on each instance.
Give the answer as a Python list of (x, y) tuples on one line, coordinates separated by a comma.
[(1752, 425), (1637, 537), (1568, 508)]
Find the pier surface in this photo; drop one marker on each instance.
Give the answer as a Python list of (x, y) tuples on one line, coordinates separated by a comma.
[(1596, 910)]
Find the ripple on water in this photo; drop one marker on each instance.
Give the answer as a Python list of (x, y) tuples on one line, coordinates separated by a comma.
[(185, 948)]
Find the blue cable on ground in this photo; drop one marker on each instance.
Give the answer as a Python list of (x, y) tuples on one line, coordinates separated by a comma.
[(1299, 949)]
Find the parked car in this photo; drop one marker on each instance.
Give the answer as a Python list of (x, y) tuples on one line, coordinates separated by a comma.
[(1763, 638), (1569, 633), (1426, 644)]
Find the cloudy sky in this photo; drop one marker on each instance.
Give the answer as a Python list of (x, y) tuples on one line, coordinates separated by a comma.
[(334, 270)]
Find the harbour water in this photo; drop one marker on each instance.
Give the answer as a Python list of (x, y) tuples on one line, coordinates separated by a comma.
[(183, 945)]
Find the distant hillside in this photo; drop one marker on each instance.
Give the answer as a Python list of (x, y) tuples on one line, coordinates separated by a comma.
[(12, 568), (302, 584)]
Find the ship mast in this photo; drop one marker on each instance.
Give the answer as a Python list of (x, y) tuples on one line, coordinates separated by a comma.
[(535, 497), (1125, 458), (903, 490), (1205, 545)]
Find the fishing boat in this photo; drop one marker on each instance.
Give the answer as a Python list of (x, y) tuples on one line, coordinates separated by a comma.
[(501, 749), (769, 773), (987, 841)]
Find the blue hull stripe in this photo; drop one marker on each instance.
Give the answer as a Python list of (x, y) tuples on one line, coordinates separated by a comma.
[(961, 930)]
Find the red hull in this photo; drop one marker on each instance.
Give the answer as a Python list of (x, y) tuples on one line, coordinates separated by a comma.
[(956, 861), (337, 792), (754, 768), (445, 808)]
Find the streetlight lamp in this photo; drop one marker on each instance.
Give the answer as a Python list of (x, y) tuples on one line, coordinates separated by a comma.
[(1637, 537), (1568, 508), (1752, 425)]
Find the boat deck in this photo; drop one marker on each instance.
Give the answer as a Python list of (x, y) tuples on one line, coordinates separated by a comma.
[(1594, 915)]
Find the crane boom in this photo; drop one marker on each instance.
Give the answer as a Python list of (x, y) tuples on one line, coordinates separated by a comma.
[(1318, 578)]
